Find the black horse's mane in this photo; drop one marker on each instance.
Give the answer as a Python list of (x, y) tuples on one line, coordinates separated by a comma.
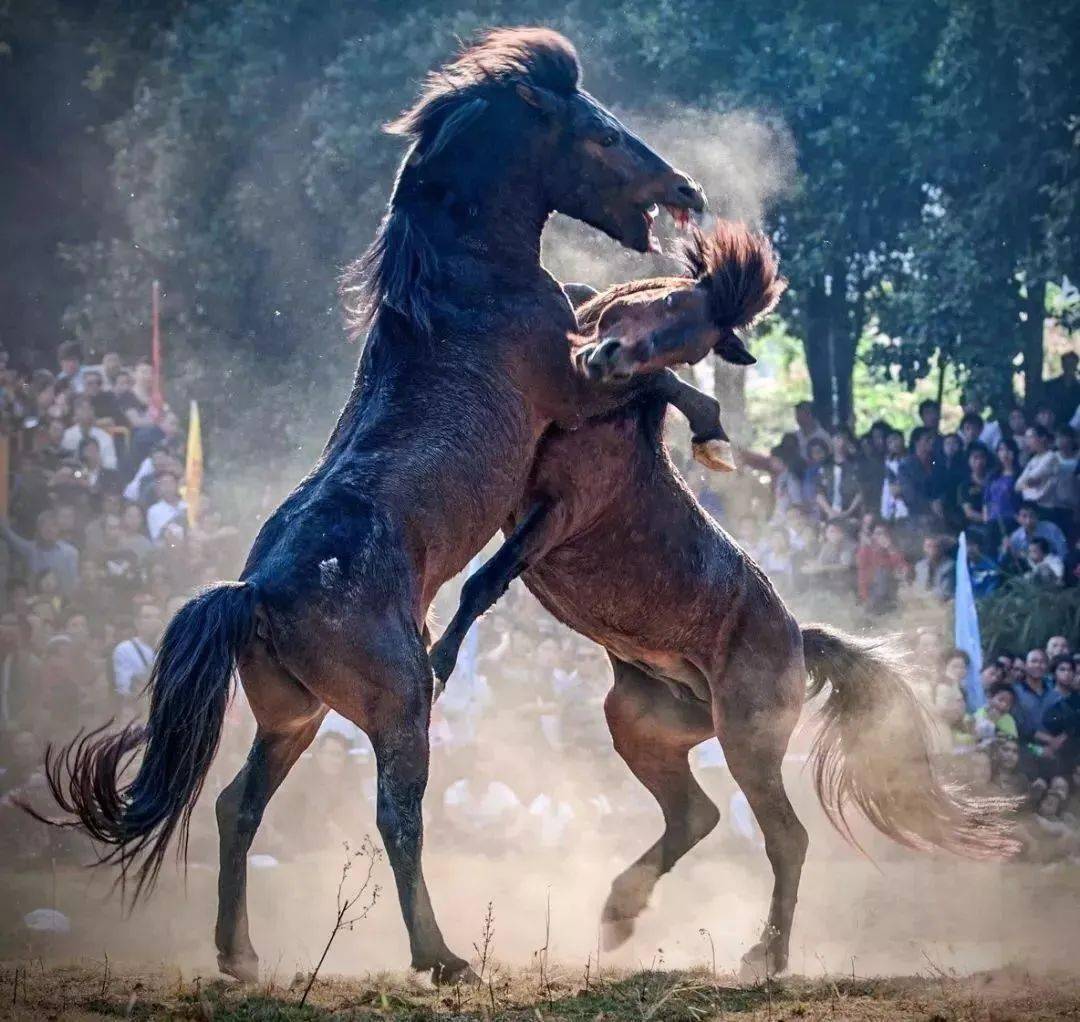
[(399, 270)]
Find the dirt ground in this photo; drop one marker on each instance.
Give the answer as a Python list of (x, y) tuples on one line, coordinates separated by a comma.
[(92, 990)]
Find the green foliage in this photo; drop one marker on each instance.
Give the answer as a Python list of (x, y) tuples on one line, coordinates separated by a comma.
[(935, 196), (1023, 614), (996, 152)]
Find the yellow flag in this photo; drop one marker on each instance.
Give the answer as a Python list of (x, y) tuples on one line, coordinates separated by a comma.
[(193, 471)]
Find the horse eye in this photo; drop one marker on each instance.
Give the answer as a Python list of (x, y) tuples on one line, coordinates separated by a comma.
[(610, 139), (669, 299)]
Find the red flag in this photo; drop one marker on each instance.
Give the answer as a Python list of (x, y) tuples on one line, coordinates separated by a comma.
[(157, 399)]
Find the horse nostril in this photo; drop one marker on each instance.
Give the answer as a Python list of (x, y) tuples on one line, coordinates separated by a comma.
[(693, 193)]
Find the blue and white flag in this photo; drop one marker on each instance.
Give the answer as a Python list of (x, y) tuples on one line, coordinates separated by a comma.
[(966, 633)]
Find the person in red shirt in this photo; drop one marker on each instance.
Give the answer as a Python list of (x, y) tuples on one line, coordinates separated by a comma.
[(880, 567)]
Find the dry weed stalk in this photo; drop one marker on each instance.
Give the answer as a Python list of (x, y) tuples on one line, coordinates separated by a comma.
[(367, 851)]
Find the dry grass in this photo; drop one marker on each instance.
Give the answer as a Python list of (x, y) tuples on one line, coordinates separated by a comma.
[(90, 990)]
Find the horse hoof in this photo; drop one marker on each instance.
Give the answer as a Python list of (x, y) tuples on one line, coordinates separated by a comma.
[(758, 964), (453, 972), (715, 455), (615, 932), (245, 968)]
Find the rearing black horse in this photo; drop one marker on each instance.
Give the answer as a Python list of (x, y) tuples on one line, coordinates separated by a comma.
[(466, 364)]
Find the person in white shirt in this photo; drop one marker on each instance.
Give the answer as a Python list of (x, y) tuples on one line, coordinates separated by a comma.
[(1038, 481), (168, 508), (83, 429), (133, 658)]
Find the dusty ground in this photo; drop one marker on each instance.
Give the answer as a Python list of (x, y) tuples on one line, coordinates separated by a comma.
[(91, 990)]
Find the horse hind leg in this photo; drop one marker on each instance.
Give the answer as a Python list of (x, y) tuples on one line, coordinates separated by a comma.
[(653, 732), (288, 717), (754, 745)]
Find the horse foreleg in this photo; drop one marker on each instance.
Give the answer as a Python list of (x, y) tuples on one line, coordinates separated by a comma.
[(654, 732), (487, 584)]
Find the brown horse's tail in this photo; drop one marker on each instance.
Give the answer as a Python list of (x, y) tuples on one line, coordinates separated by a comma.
[(189, 690), (873, 750)]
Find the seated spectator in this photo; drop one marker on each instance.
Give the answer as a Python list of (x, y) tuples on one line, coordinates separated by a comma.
[(133, 534), (84, 428), (776, 560), (133, 658), (135, 412), (1044, 566), (839, 492), (814, 473), (880, 569), (1015, 547), (168, 509), (103, 401), (893, 508), (70, 356), (1008, 777), (832, 568), (935, 574), (46, 552)]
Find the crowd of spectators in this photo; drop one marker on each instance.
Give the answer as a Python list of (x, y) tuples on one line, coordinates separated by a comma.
[(878, 514), (99, 551), (1023, 743)]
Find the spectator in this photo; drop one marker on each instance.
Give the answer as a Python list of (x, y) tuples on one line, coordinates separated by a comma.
[(168, 509), (893, 507), (1065, 502), (133, 532), (880, 569), (69, 355), (18, 671), (83, 429), (1057, 645), (1062, 393), (1038, 480), (971, 430), (46, 552), (133, 658), (1002, 502), (1044, 566), (1030, 526), (808, 428), (1033, 696), (935, 574), (813, 480), (997, 713), (840, 485), (915, 475), (832, 568), (136, 412), (103, 401)]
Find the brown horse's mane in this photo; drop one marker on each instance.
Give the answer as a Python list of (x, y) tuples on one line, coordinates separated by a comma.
[(400, 269), (738, 267)]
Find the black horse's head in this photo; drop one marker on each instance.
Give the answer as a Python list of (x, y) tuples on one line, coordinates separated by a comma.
[(509, 113)]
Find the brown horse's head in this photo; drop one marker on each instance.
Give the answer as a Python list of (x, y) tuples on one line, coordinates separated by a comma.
[(732, 279), (509, 112)]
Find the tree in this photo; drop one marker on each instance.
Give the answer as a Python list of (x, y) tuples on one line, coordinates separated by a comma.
[(998, 150)]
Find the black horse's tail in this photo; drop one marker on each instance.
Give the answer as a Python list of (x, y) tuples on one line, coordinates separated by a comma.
[(189, 688), (873, 750)]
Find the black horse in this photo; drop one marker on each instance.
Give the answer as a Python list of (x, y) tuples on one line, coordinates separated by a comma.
[(466, 365)]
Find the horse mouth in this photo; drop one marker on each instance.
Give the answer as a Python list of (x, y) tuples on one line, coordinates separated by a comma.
[(680, 215)]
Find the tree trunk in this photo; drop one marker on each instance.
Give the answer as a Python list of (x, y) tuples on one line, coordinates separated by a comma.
[(1032, 332), (816, 337)]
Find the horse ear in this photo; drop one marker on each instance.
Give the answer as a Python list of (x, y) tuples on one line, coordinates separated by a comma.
[(452, 126), (541, 99)]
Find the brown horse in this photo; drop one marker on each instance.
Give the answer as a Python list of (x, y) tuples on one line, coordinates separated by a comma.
[(613, 544), (466, 365)]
